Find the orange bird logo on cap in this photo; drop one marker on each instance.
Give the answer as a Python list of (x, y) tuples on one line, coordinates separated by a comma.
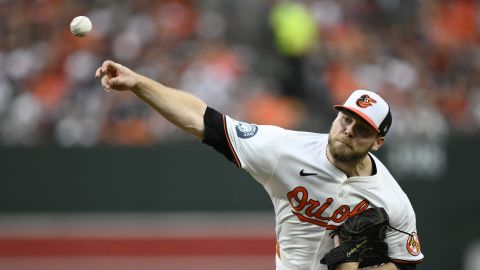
[(364, 101)]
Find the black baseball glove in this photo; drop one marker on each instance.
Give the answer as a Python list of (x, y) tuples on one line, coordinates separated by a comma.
[(361, 240)]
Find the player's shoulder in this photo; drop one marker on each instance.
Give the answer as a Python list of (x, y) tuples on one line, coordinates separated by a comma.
[(390, 184), (247, 130), (304, 139), (305, 135), (297, 143), (383, 171), (396, 194)]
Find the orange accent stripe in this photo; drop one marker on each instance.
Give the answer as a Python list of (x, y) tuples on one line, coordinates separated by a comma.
[(407, 262), (278, 250), (48, 247), (362, 115), (229, 143)]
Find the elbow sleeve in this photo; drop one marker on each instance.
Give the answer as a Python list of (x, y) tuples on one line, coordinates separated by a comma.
[(215, 133)]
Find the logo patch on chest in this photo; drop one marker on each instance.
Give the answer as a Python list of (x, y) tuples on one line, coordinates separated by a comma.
[(245, 130)]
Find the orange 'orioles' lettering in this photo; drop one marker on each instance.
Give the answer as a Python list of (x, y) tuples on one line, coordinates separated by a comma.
[(314, 209)]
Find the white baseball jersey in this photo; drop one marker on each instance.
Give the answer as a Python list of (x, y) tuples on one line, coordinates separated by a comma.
[(311, 197)]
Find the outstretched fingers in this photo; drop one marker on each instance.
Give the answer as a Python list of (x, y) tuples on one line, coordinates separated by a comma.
[(108, 67), (98, 72), (105, 84), (106, 72), (114, 76)]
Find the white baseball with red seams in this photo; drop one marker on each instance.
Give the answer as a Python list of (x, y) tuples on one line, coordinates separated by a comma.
[(80, 26), (311, 197)]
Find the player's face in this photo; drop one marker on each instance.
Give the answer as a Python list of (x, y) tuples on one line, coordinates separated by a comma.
[(351, 138)]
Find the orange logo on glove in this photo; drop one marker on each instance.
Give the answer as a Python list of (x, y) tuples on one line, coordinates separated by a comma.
[(413, 244)]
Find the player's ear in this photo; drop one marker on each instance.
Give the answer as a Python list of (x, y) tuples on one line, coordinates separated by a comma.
[(378, 143)]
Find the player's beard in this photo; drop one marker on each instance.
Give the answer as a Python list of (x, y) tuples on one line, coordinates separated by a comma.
[(344, 153)]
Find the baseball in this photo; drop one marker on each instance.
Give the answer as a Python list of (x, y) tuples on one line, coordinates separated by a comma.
[(80, 26)]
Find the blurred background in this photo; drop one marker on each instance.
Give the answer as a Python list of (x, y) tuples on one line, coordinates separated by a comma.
[(98, 180)]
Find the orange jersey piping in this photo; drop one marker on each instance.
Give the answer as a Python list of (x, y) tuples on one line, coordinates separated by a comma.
[(237, 161)]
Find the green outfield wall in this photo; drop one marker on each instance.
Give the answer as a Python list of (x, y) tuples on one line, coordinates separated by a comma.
[(440, 178)]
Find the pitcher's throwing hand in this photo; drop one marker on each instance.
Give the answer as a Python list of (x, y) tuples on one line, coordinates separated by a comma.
[(117, 77)]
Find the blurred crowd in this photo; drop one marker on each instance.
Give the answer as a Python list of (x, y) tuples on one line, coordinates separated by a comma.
[(268, 62)]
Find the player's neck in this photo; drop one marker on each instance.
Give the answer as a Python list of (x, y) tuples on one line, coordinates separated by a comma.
[(361, 167)]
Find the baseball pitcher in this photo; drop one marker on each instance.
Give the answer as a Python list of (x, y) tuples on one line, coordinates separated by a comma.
[(336, 205)]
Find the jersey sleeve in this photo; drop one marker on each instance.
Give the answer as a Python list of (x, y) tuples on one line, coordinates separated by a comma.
[(215, 134), (251, 147), (257, 147), (403, 241)]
